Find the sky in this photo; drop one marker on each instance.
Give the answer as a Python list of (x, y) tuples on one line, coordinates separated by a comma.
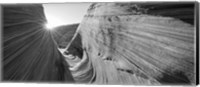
[(65, 13)]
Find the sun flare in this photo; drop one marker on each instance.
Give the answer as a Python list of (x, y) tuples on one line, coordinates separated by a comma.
[(49, 26), (53, 22)]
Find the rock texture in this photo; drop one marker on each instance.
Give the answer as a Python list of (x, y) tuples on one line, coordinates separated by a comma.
[(29, 50), (136, 43), (116, 43)]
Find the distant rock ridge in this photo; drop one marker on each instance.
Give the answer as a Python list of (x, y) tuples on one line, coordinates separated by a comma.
[(64, 34)]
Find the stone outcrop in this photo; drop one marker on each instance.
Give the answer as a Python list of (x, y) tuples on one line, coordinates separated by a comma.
[(136, 43), (29, 50), (116, 43)]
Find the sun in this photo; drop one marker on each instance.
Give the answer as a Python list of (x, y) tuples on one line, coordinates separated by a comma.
[(49, 26), (53, 22)]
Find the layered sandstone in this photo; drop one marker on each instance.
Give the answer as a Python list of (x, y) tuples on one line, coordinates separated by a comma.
[(136, 43), (116, 43)]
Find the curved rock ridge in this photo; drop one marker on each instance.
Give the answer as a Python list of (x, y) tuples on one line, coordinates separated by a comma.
[(125, 43), (29, 50)]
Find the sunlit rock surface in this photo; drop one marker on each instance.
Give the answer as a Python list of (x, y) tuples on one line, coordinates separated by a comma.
[(29, 50), (128, 43)]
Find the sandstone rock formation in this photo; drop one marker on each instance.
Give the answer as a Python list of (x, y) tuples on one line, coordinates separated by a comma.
[(128, 43), (29, 51), (116, 43)]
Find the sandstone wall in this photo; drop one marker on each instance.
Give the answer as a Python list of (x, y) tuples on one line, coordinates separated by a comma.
[(137, 43)]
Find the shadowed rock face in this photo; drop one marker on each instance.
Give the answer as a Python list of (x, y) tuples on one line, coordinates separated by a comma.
[(127, 43), (29, 51), (63, 35)]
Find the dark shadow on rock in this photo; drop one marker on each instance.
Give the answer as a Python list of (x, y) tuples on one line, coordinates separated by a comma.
[(75, 47), (182, 11), (176, 78)]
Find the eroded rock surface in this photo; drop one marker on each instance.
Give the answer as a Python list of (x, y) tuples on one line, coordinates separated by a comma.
[(136, 43), (116, 43)]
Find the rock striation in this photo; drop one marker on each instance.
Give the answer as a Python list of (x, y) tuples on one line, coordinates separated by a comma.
[(136, 43), (116, 43)]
